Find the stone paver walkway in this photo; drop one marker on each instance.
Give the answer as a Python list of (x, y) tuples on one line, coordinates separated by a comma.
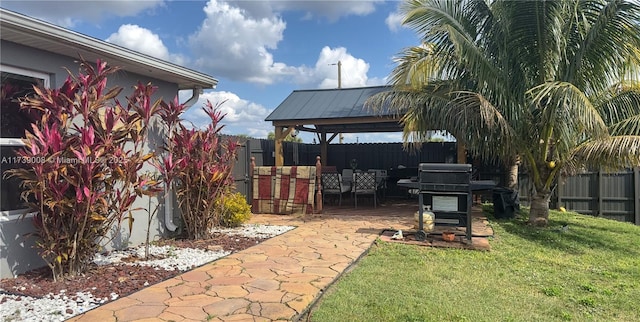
[(275, 280)]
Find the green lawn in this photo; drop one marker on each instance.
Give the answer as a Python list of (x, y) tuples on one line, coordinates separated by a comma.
[(591, 272)]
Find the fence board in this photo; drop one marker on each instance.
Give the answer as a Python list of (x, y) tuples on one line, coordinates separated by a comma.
[(636, 192)]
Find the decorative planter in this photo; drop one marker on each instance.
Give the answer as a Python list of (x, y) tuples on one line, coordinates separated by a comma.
[(448, 236)]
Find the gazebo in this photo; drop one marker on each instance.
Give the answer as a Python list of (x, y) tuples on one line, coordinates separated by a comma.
[(329, 112)]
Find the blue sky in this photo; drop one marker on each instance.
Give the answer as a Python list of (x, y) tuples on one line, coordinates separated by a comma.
[(259, 51)]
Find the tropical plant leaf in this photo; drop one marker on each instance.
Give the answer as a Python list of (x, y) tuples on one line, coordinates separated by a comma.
[(613, 152), (537, 81)]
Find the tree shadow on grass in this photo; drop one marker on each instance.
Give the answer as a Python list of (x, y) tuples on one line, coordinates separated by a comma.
[(626, 228), (577, 238)]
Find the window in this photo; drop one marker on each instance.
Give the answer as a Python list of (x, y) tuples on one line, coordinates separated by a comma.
[(16, 83)]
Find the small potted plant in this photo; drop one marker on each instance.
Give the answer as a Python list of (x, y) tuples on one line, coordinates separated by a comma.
[(448, 236)]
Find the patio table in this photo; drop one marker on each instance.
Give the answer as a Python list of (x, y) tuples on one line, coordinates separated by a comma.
[(476, 185), (412, 185)]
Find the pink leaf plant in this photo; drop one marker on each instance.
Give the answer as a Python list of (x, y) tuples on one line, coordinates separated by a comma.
[(92, 151), (95, 149), (200, 165)]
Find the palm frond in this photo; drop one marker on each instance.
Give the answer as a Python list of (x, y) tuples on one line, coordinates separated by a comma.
[(610, 34), (416, 66), (404, 97), (474, 58), (534, 33), (618, 102), (562, 103), (452, 31), (629, 126), (482, 126), (424, 16), (426, 113), (613, 152)]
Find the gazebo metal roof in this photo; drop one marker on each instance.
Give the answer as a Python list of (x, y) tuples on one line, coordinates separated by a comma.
[(338, 110), (333, 111)]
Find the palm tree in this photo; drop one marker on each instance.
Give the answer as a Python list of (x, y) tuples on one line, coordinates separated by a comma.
[(552, 84), (288, 138)]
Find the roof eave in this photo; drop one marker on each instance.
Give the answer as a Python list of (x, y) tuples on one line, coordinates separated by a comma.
[(11, 21)]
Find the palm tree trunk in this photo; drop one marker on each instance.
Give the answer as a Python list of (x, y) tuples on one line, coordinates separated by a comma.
[(512, 167), (539, 211)]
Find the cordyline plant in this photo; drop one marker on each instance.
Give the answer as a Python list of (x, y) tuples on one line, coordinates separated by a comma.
[(92, 147), (199, 164), (151, 187)]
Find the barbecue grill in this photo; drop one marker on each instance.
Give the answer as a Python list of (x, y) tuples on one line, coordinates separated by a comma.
[(447, 189)]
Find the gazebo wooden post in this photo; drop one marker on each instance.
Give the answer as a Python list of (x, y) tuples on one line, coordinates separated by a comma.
[(318, 185), (462, 152), (323, 146)]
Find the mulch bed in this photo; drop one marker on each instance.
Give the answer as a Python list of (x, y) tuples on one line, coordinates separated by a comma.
[(435, 240), (120, 279)]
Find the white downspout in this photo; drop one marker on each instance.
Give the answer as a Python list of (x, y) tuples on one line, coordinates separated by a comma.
[(168, 192)]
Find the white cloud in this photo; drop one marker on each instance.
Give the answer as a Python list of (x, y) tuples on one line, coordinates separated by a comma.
[(354, 70), (242, 116), (325, 72), (394, 21), (331, 10), (232, 44), (246, 117), (67, 13), (143, 40), (236, 42)]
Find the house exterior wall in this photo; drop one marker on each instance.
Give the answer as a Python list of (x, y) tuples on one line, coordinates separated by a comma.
[(16, 254)]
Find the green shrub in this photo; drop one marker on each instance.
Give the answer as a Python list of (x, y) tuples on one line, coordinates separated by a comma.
[(235, 210)]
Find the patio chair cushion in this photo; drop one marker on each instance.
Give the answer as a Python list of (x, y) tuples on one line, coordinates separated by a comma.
[(332, 183), (365, 184), (347, 175)]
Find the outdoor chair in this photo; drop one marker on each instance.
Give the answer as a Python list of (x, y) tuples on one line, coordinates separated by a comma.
[(364, 183), (381, 178), (381, 181), (332, 184), (347, 177)]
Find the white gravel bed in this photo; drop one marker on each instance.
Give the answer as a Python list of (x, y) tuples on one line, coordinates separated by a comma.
[(59, 307), (175, 258), (255, 230)]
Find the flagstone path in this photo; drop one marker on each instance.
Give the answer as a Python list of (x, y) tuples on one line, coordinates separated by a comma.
[(276, 280)]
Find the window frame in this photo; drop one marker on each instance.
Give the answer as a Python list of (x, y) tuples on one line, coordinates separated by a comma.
[(12, 215)]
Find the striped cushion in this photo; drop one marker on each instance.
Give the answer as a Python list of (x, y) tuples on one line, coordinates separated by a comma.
[(284, 190)]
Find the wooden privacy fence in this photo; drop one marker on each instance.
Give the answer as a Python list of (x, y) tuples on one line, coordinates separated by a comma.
[(612, 195)]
